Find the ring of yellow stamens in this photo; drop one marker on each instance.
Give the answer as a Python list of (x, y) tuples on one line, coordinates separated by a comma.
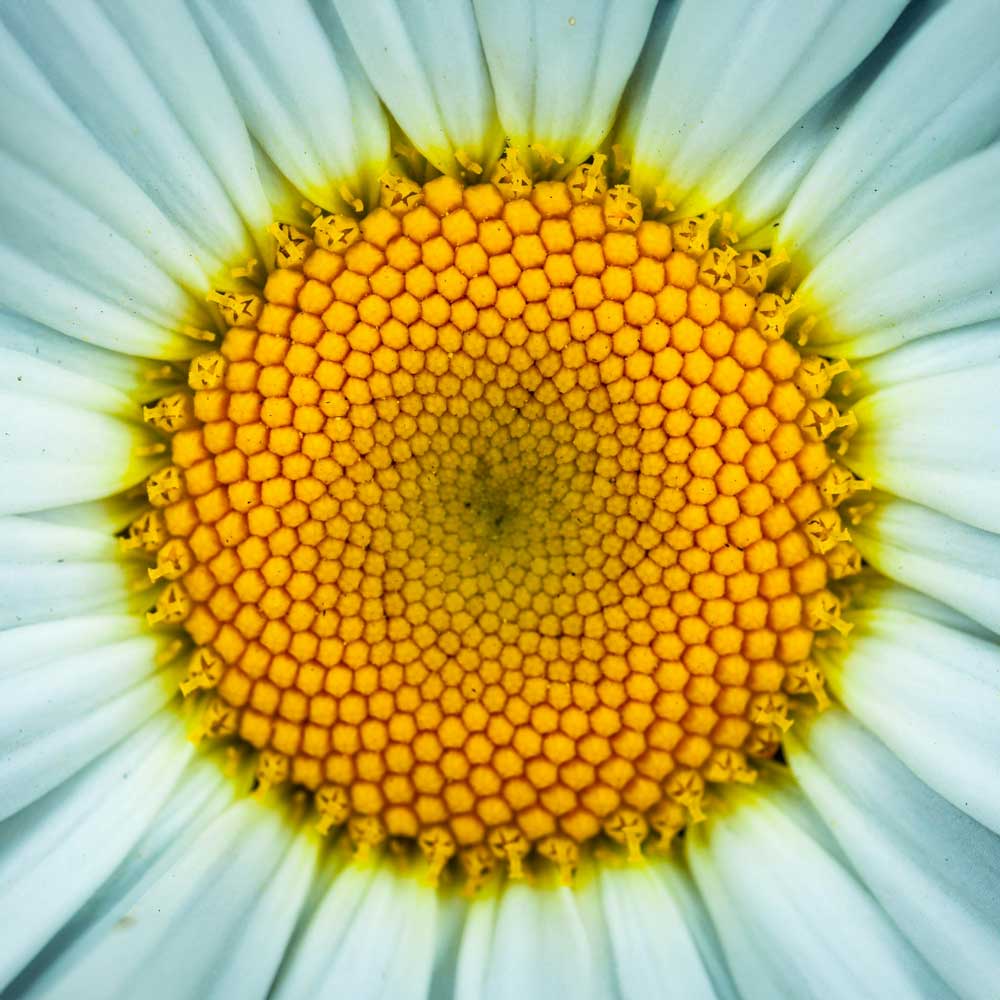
[(503, 519)]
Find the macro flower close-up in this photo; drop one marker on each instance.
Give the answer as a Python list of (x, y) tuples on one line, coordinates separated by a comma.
[(499, 501)]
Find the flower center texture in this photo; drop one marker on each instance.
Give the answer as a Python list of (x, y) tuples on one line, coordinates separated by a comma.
[(503, 520)]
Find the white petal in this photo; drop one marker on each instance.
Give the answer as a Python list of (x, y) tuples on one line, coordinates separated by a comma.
[(55, 719), (921, 264), (951, 561), (372, 938), (62, 152), (51, 571), (538, 948), (308, 105), (123, 372), (792, 920), (198, 796), (31, 594), (730, 81), (36, 645), (200, 930), (168, 122), (23, 374), (23, 540), (701, 929), (930, 693), (932, 106), (56, 853), (938, 354), (56, 300), (605, 982), (58, 249), (451, 914), (108, 515), (439, 88), (651, 943), (559, 69), (764, 193), (24, 79), (53, 454), (934, 441), (933, 868), (196, 93), (880, 593), (474, 949)]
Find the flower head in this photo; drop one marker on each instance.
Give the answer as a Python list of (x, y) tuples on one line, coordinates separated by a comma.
[(500, 499)]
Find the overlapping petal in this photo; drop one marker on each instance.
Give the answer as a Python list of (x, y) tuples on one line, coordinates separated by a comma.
[(889, 142), (55, 854), (440, 91), (560, 68), (935, 554), (923, 263), (141, 79), (929, 692), (729, 81), (214, 924), (901, 838), (324, 128), (792, 918), (933, 441)]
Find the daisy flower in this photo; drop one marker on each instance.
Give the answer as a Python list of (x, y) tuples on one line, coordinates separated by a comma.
[(499, 500)]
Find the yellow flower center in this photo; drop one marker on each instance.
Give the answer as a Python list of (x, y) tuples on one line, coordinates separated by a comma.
[(504, 520)]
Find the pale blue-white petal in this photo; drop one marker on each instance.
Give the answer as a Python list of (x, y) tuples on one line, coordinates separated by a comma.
[(702, 930), (310, 108), (933, 105), (792, 919), (57, 852), (934, 441), (371, 938), (730, 81), (930, 693), (758, 203), (933, 868), (108, 515), (508, 941), (197, 797), (451, 914), (439, 89), (200, 930), (67, 268), (559, 68), (22, 374), (68, 156), (938, 354), (654, 952), (921, 548), (52, 571), (194, 90), (26, 541), (167, 121), (922, 263), (23, 79), (53, 454), (129, 375), (474, 949), (34, 646), (880, 593), (70, 687), (605, 980)]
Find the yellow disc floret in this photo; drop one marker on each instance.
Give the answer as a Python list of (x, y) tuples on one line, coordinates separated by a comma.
[(502, 519)]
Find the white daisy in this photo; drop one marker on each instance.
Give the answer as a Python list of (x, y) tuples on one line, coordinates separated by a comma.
[(499, 500)]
